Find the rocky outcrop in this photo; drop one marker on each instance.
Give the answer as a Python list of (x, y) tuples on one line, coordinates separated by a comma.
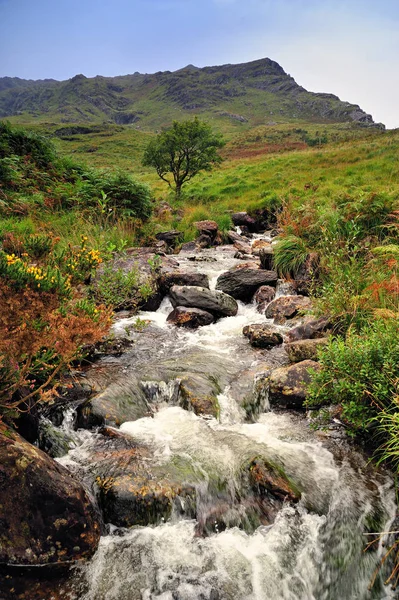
[(215, 302), (287, 307), (288, 385), (305, 349), (242, 282), (263, 296), (46, 516), (191, 318), (262, 335)]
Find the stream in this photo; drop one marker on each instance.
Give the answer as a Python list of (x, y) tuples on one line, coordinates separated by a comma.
[(215, 543)]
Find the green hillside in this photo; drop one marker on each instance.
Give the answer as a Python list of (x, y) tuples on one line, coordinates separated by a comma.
[(233, 97)]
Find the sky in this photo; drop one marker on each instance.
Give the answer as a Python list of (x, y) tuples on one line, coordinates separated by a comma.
[(349, 48)]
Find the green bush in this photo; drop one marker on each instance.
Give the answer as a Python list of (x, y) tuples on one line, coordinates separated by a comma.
[(18, 141), (361, 373)]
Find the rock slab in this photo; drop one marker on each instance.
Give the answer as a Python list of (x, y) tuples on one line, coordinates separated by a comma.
[(46, 515), (241, 283), (215, 302)]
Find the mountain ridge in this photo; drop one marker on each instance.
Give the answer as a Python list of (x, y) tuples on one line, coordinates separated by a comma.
[(254, 93)]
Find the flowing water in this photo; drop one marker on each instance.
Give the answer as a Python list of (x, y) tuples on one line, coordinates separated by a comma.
[(314, 549)]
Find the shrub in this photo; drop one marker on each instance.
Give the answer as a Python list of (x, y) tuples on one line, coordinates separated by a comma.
[(290, 254), (361, 373), (117, 289)]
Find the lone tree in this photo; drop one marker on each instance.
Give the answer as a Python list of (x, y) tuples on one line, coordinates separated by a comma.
[(182, 151)]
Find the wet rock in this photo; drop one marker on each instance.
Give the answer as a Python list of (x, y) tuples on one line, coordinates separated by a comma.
[(288, 385), (204, 241), (46, 516), (263, 296), (189, 247), (259, 245), (311, 329), (266, 257), (305, 349), (242, 282), (131, 491), (243, 247), (266, 478), (191, 318), (233, 237), (178, 277), (287, 307), (215, 302), (262, 335), (208, 228), (171, 238), (243, 219), (119, 402)]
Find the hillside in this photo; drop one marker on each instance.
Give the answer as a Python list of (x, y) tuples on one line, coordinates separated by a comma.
[(232, 96)]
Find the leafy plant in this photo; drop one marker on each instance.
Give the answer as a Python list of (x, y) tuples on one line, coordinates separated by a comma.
[(289, 255)]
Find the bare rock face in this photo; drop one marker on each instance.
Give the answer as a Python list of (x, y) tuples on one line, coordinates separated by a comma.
[(191, 318), (262, 335), (263, 296), (46, 515), (241, 283), (304, 349), (288, 385), (287, 307), (215, 302)]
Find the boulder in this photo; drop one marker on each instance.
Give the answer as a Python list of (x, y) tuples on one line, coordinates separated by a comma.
[(243, 247), (311, 329), (263, 296), (119, 402), (288, 385), (215, 302), (209, 228), (243, 219), (242, 282), (262, 335), (204, 241), (46, 515), (266, 257), (171, 238), (304, 349), (233, 236), (191, 318), (287, 307), (259, 245), (177, 277)]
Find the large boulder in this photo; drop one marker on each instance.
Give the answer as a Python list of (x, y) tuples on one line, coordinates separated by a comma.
[(178, 277), (288, 385), (119, 402), (262, 335), (208, 228), (242, 282), (241, 219), (305, 349), (190, 318), (263, 296), (287, 307), (215, 302), (311, 329), (46, 515)]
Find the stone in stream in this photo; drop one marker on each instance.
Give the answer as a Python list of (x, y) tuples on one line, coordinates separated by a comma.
[(121, 401), (215, 302), (288, 385), (262, 335), (305, 349), (177, 277), (311, 329), (46, 515), (191, 318), (242, 282), (233, 237), (243, 219), (266, 257), (287, 307), (263, 296)]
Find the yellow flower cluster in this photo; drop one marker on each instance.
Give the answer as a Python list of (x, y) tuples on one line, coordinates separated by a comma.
[(12, 259)]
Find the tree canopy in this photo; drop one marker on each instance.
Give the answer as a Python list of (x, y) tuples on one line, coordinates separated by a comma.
[(182, 151)]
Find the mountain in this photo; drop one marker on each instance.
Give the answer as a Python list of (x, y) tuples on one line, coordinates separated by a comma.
[(256, 93)]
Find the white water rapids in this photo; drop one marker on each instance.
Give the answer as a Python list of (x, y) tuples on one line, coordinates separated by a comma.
[(313, 551)]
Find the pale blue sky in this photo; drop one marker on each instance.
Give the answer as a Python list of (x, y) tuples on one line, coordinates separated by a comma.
[(350, 48)]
